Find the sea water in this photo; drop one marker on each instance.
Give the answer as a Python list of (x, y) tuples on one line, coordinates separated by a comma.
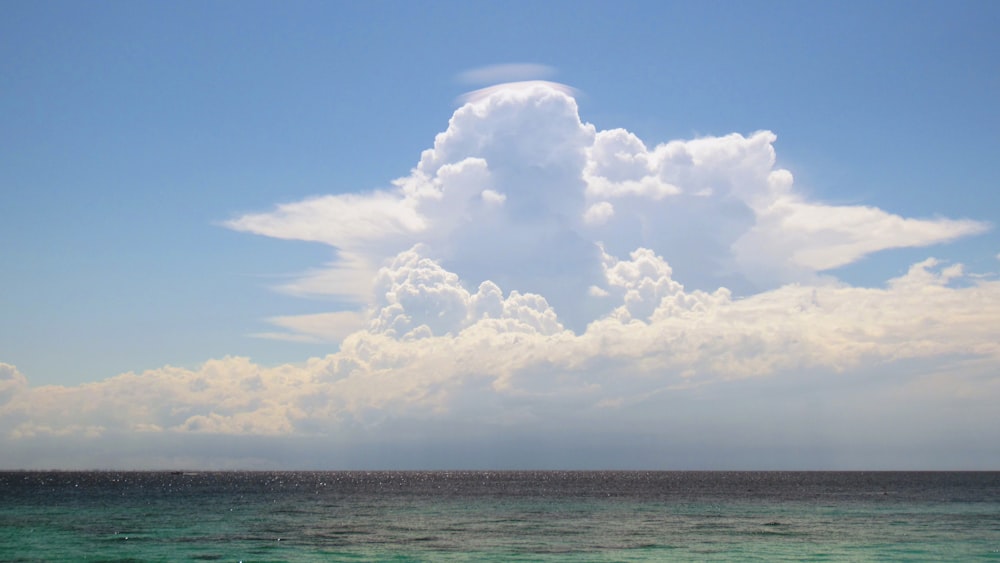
[(499, 516)]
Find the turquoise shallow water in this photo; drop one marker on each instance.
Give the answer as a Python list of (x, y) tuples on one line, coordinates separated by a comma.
[(499, 516)]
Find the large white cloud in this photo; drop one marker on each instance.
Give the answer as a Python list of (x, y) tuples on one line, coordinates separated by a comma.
[(522, 285), (519, 191)]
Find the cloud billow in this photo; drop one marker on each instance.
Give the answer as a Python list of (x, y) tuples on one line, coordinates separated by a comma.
[(524, 280), (520, 192)]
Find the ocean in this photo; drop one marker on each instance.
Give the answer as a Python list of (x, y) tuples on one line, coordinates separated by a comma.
[(499, 516)]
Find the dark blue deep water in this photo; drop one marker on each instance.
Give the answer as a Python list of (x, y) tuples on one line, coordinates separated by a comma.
[(499, 516)]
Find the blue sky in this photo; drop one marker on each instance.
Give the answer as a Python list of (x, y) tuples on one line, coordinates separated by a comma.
[(137, 136)]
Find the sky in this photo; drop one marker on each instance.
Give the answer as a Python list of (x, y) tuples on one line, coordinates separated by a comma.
[(394, 235)]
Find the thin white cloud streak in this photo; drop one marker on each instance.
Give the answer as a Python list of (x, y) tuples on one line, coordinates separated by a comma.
[(851, 232), (319, 327), (509, 72), (348, 220), (522, 281)]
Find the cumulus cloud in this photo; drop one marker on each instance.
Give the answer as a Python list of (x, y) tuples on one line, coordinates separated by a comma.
[(419, 298), (519, 191), (523, 284)]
